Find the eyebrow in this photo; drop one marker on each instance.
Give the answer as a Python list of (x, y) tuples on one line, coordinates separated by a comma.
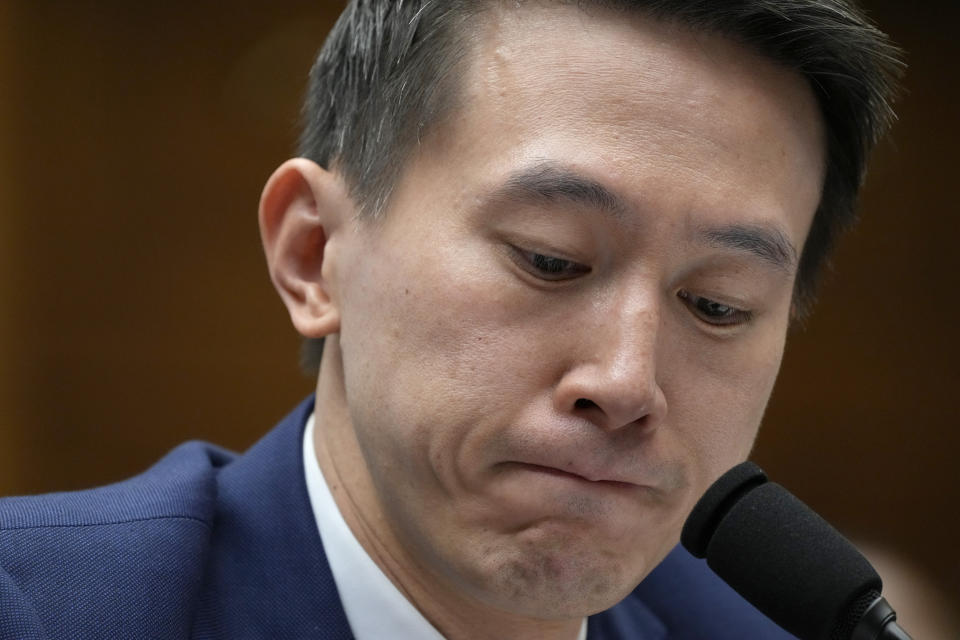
[(549, 182), (765, 242)]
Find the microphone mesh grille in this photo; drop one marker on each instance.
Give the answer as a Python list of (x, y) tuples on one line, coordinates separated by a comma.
[(846, 625)]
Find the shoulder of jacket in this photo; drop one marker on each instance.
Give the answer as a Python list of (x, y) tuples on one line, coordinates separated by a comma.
[(106, 562)]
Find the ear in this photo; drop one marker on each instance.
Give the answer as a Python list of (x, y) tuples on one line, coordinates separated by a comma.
[(301, 209)]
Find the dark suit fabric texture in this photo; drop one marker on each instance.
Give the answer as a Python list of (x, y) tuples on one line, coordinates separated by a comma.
[(208, 544)]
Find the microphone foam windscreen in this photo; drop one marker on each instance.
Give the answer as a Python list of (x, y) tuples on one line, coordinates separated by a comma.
[(789, 562), (710, 509)]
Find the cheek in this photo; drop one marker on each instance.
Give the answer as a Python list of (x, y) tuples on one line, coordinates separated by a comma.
[(717, 396), (419, 351), (453, 318)]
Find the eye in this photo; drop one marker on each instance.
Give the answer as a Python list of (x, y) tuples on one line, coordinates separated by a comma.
[(713, 312), (549, 267)]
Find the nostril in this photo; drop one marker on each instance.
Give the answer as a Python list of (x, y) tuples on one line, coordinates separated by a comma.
[(583, 403)]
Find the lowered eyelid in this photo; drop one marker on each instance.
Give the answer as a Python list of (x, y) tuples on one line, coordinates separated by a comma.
[(527, 260), (736, 317)]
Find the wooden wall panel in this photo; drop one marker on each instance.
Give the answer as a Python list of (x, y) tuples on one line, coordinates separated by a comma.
[(145, 317), (10, 451)]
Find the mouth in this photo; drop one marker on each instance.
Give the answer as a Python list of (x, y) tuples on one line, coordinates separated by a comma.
[(561, 473)]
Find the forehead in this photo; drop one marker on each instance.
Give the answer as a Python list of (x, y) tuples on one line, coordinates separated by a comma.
[(636, 102)]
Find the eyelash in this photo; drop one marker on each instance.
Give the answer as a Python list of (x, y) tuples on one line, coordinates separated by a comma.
[(554, 269), (548, 267), (713, 312)]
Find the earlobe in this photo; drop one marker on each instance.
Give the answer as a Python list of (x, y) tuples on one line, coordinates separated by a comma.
[(301, 210)]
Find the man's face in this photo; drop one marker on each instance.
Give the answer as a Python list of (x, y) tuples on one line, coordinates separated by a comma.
[(570, 320)]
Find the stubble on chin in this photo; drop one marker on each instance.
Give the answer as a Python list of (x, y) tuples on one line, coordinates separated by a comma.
[(555, 577)]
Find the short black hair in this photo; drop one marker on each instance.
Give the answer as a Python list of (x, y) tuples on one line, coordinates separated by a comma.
[(387, 72)]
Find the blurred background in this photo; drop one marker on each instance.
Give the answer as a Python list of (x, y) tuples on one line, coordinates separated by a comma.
[(136, 312)]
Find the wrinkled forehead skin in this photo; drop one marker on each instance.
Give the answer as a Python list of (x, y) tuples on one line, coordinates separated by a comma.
[(597, 90)]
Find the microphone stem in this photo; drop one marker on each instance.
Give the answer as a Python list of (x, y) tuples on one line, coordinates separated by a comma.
[(879, 623), (893, 631)]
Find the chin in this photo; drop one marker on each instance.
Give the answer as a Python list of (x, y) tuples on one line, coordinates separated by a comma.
[(563, 577)]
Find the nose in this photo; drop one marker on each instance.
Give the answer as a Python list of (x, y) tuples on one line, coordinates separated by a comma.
[(613, 379)]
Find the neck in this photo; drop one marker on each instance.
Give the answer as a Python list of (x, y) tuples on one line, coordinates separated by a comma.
[(455, 614)]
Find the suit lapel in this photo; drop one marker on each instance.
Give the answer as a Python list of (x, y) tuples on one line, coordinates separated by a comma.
[(267, 575)]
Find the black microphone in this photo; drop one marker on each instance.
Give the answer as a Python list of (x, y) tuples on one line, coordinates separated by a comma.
[(787, 561)]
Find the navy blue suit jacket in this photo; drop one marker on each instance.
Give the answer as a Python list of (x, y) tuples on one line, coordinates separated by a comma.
[(208, 544)]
